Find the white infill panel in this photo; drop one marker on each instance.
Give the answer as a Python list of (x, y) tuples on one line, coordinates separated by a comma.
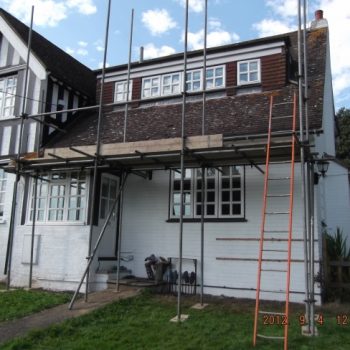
[(26, 249)]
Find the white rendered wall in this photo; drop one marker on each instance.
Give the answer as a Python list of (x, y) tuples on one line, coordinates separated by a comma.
[(146, 231), (4, 226)]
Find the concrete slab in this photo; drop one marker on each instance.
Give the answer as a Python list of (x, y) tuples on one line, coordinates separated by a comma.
[(199, 306), (183, 318)]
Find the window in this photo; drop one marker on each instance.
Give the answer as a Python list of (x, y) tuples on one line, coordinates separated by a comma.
[(60, 197), (120, 91), (215, 77), (223, 193), (7, 96), (3, 180), (248, 72), (194, 80), (171, 84), (151, 87)]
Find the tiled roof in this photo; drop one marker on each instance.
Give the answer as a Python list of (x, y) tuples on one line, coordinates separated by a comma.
[(61, 65), (231, 115)]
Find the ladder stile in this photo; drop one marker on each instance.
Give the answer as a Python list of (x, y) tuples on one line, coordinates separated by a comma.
[(279, 234)]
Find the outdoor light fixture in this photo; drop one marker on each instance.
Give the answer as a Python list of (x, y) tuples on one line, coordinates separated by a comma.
[(322, 167)]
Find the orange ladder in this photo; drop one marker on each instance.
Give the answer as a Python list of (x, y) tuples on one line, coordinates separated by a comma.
[(278, 234)]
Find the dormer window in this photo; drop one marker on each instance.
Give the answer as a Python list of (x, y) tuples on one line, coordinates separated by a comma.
[(151, 87), (249, 72), (171, 84), (194, 80), (120, 91)]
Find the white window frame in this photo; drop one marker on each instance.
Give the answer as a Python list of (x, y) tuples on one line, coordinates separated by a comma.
[(158, 86), (44, 197), (3, 183), (171, 84), (192, 81), (195, 175), (123, 92), (7, 93), (248, 72), (215, 77)]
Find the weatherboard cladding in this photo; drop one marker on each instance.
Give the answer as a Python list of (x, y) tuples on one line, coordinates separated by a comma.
[(231, 114)]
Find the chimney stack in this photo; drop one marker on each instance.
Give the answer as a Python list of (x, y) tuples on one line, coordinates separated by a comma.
[(319, 21), (318, 15), (141, 53)]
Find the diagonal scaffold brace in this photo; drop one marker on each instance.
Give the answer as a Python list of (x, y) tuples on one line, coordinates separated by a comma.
[(92, 256)]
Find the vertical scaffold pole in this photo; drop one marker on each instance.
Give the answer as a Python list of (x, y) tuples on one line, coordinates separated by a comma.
[(203, 133), (182, 161), (8, 261), (128, 76), (33, 229), (302, 166), (98, 145)]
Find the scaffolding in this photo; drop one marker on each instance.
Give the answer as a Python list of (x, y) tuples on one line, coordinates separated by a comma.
[(187, 152)]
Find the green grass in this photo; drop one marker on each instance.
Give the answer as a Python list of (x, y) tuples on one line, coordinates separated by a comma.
[(143, 323), (18, 303)]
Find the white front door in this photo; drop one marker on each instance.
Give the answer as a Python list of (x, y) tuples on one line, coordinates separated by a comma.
[(108, 194)]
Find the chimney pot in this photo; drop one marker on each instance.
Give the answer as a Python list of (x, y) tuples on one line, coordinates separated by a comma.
[(318, 15)]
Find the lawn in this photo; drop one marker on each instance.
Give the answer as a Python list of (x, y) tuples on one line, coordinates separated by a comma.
[(143, 323), (18, 303)]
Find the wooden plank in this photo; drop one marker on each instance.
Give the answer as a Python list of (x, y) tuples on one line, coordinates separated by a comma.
[(150, 146)]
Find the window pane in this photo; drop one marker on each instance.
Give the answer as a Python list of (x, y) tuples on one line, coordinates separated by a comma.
[(196, 85), (177, 185), (176, 210), (225, 196), (243, 77), (219, 71), (236, 196), (196, 75), (210, 73), (176, 78), (187, 185), (211, 196), (211, 183), (236, 209), (198, 209), (225, 209), (219, 82), (236, 182), (253, 65), (210, 209), (253, 76), (243, 67), (167, 79), (225, 183), (176, 198), (199, 197)]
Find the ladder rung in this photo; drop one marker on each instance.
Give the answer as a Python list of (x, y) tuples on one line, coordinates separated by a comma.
[(278, 195), (273, 270), (276, 231), (283, 103), (283, 117), (276, 212), (283, 146), (269, 337), (272, 313), (276, 250), (280, 162), (273, 291), (278, 178)]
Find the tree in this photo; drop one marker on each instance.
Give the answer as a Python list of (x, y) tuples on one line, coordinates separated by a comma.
[(343, 142)]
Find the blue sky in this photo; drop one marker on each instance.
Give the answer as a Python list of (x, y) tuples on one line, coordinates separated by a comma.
[(78, 26)]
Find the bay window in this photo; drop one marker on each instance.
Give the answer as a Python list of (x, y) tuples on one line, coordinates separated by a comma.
[(61, 197)]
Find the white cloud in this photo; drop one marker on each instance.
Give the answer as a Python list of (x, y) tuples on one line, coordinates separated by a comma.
[(85, 7), (284, 8), (193, 5), (100, 65), (216, 36), (82, 52), (70, 51), (82, 43), (48, 12), (158, 21), (268, 27), (151, 51)]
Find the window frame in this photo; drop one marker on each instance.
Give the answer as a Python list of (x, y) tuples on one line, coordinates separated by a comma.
[(123, 92), (151, 78), (248, 72), (217, 190), (67, 196), (171, 85), (191, 81), (4, 95), (214, 68), (3, 185)]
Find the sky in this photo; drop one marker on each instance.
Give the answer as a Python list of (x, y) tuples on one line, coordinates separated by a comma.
[(78, 27)]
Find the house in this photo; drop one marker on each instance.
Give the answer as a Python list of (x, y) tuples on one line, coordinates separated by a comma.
[(56, 81), (228, 145)]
